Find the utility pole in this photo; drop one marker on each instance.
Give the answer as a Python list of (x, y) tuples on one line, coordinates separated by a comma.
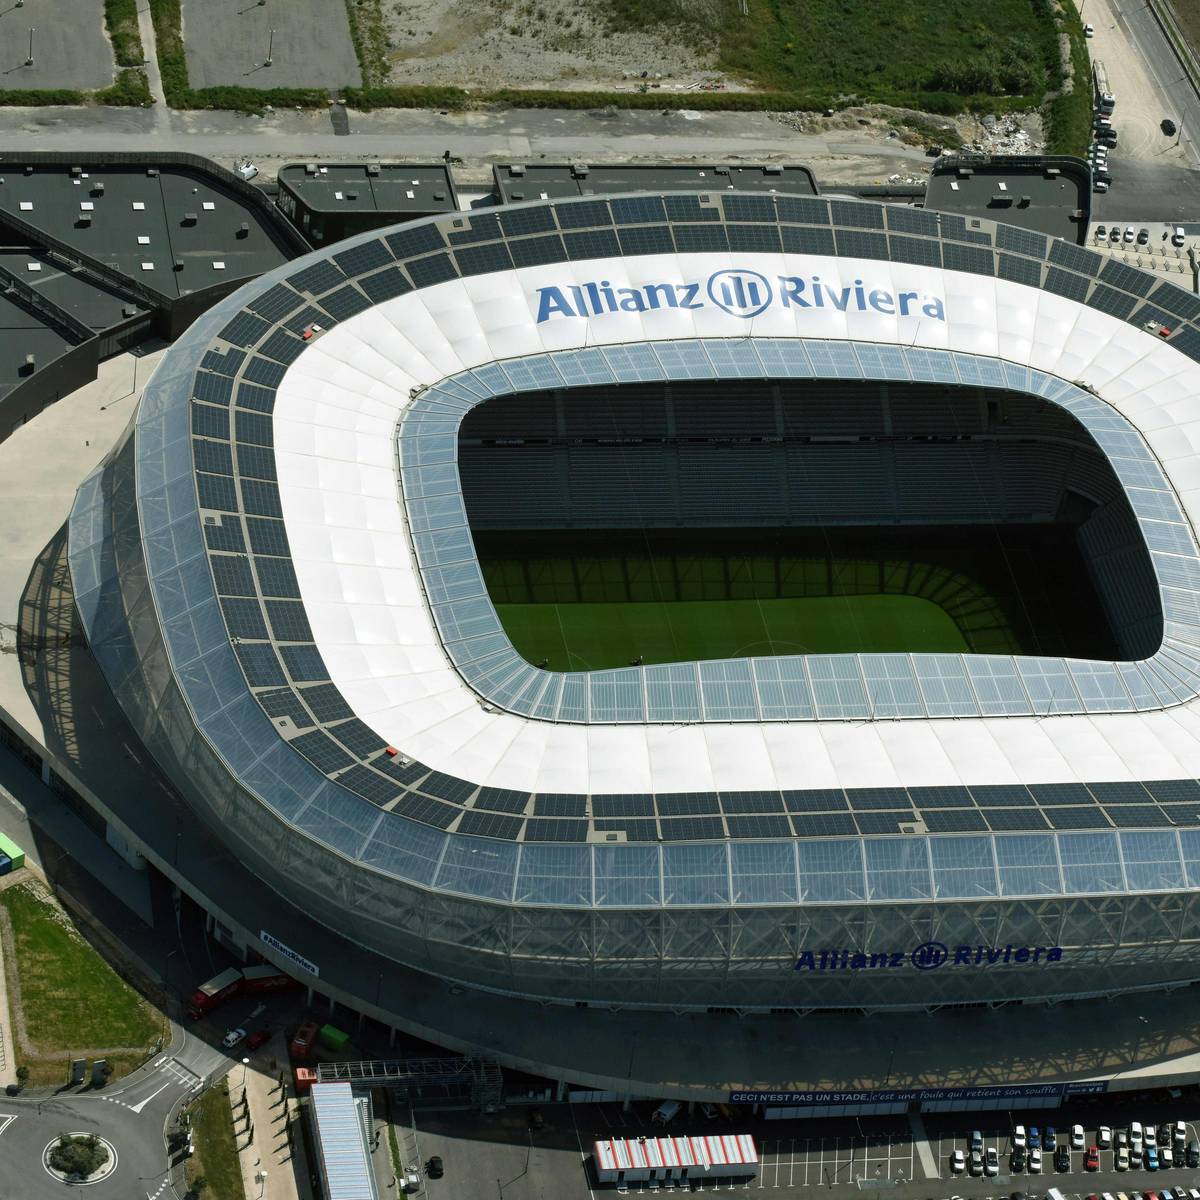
[(29, 60), (270, 49)]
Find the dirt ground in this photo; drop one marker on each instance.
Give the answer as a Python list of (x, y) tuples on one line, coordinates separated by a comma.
[(538, 43)]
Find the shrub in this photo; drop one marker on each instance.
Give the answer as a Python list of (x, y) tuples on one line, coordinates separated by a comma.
[(120, 16), (78, 1156), (131, 90)]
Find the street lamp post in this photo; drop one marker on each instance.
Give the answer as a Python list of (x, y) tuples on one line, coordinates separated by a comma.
[(245, 1064), (262, 1183), (29, 60), (270, 49)]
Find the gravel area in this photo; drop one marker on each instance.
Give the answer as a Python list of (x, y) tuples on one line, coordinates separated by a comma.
[(537, 43)]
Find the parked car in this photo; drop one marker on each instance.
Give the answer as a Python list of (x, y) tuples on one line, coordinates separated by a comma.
[(976, 1163), (1101, 234), (1192, 1154), (709, 1111), (232, 1038), (1035, 1138), (1016, 1161), (1018, 1137), (435, 1168), (1077, 1130), (1089, 31), (1179, 1134), (1135, 1135), (975, 1141), (1166, 1157), (1129, 235), (1143, 238), (1049, 1138), (1151, 1160), (958, 1162), (1121, 1158), (1062, 1159), (1177, 236), (260, 1037), (1122, 1136), (1091, 1161), (1035, 1162), (991, 1163), (1114, 236), (1104, 1137)]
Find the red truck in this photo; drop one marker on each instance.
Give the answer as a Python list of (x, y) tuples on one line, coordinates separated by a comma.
[(235, 981), (302, 1040)]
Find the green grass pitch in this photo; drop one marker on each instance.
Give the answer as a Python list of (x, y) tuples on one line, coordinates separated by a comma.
[(589, 637)]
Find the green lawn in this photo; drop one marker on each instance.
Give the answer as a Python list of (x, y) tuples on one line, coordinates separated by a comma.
[(580, 637), (72, 999), (216, 1158)]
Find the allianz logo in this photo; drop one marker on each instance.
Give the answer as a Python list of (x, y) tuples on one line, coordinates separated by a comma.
[(738, 292), (927, 957)]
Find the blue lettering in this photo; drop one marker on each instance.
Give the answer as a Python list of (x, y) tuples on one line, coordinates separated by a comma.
[(688, 294), (552, 303)]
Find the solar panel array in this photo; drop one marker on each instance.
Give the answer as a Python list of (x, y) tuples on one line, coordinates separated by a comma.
[(249, 551)]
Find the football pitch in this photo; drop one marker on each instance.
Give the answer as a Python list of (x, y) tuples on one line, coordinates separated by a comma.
[(589, 637)]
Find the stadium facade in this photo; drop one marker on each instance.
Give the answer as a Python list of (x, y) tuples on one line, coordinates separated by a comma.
[(276, 575)]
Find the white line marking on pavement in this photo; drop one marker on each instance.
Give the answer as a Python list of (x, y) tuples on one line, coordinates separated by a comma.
[(137, 1108), (6, 1120)]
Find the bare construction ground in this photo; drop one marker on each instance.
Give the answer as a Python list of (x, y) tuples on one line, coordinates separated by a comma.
[(538, 43)]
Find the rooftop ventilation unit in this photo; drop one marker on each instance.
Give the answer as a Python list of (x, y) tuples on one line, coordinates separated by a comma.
[(517, 170), (372, 168), (579, 170), (773, 169), (310, 168)]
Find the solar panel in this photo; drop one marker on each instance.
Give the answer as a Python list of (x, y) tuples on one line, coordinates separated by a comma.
[(1129, 816), (953, 820), (428, 812), (1063, 283), (799, 240), (638, 210), (322, 751), (854, 244), (975, 259), (244, 619), (386, 284), (759, 826), (622, 806), (260, 498), (216, 389), (1173, 790), (275, 302), (856, 215), (823, 824), (447, 787), (232, 575), (884, 822), (751, 802), (518, 221), (754, 238), (924, 252), (1175, 300), (559, 806), (1020, 241), (1003, 795), (253, 428), (1183, 814), (634, 831), (245, 329), (1120, 793), (484, 227), (226, 536), (401, 771), (256, 462), (358, 737), (582, 214), (261, 370), (940, 797), (1060, 793), (213, 457), (862, 799), (691, 829), (687, 804), (1126, 278), (536, 251), (226, 363), (289, 622), (646, 239), (1077, 818), (480, 260), (415, 239), (555, 830), (699, 238), (816, 800), (345, 303), (802, 210), (318, 278), (1015, 818), (687, 207), (260, 399), (282, 347), (1019, 270), (1075, 258), (208, 421), (277, 577), (749, 208), (358, 260), (327, 703), (267, 537), (490, 824), (304, 663), (501, 800), (1108, 300), (285, 703), (911, 220), (259, 664), (437, 268), (1187, 341), (370, 785), (594, 243)]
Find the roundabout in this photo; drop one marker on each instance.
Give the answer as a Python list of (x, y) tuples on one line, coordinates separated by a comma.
[(86, 1147)]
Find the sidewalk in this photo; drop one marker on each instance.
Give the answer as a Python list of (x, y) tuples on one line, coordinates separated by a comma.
[(286, 1167), (8, 1044)]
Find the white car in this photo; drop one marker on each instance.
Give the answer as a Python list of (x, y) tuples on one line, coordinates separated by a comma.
[(1179, 1132), (1135, 1135), (991, 1163), (1104, 1137), (1150, 1134), (1089, 30), (232, 1038), (1122, 1158), (1077, 1137), (1018, 1137), (958, 1162), (1128, 236), (1166, 1158), (1035, 1162), (1177, 236)]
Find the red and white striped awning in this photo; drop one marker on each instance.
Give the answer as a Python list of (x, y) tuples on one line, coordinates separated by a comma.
[(708, 1153)]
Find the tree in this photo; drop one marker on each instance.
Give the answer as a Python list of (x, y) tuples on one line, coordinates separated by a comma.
[(22, 1075), (79, 1157)]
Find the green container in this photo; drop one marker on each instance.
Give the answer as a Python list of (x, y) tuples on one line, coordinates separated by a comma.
[(9, 847), (333, 1038)]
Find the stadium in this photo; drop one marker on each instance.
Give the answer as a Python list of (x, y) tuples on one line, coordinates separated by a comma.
[(702, 601)]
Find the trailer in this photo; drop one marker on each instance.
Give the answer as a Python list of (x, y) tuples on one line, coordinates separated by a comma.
[(301, 1043), (10, 850), (1104, 98), (214, 992), (643, 1159), (266, 978)]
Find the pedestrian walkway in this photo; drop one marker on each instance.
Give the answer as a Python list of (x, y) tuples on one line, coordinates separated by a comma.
[(260, 1125), (8, 1045), (921, 1142)]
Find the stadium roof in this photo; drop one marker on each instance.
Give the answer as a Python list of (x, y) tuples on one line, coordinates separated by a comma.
[(553, 181), (360, 650), (401, 188)]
